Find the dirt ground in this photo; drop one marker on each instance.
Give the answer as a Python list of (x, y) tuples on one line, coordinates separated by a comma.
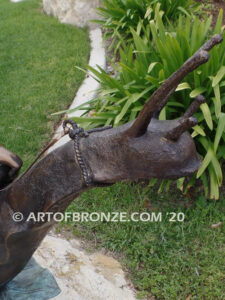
[(216, 6)]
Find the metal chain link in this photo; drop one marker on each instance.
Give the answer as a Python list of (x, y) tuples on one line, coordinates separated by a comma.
[(75, 133)]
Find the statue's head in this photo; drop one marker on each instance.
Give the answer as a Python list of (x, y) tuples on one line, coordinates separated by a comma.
[(164, 150), (148, 147)]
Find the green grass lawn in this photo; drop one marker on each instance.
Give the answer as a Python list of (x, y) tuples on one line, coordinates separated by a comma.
[(38, 75), (170, 260)]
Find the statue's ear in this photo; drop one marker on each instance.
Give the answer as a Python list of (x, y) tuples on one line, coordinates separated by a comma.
[(10, 165), (10, 159)]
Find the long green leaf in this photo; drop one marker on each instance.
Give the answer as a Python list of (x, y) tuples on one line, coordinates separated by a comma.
[(217, 100), (219, 131), (183, 86), (217, 169), (199, 130), (219, 76), (214, 188), (197, 91), (206, 162), (207, 115)]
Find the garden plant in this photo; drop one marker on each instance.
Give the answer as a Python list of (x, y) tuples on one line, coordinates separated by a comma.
[(165, 260), (155, 52)]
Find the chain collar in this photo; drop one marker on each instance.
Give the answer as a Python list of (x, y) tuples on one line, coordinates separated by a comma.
[(75, 133)]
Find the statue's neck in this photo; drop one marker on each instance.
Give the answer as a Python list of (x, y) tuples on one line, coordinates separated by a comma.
[(51, 184)]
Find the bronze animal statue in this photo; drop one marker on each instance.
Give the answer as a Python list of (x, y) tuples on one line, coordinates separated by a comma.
[(141, 149), (9, 166)]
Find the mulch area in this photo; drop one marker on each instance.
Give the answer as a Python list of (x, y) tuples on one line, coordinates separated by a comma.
[(216, 5)]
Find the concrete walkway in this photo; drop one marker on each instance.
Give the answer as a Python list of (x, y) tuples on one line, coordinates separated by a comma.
[(80, 275), (88, 89)]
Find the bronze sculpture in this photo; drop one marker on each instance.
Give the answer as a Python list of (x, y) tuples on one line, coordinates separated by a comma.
[(141, 149), (9, 168)]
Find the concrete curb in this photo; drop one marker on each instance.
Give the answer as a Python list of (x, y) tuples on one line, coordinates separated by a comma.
[(16, 1), (89, 87)]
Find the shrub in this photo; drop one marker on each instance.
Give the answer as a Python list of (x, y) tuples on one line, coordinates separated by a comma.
[(145, 64), (119, 15)]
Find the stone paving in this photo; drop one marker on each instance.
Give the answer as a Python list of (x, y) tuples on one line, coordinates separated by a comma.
[(80, 275)]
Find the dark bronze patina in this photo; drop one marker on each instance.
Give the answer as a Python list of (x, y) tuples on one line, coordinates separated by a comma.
[(141, 149), (10, 165)]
